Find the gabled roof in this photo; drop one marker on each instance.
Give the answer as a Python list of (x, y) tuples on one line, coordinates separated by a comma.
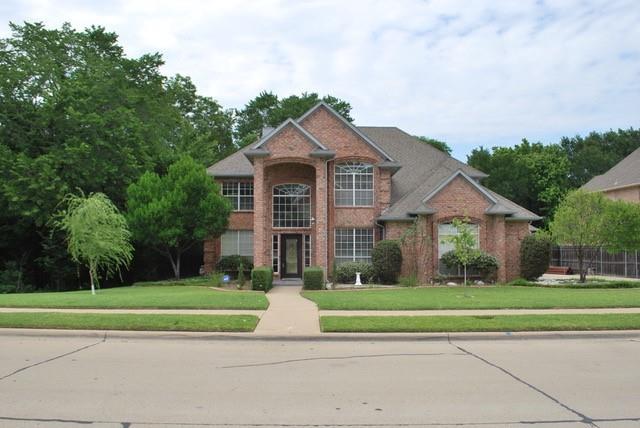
[(459, 173), (348, 124), (283, 125), (625, 173), (424, 170)]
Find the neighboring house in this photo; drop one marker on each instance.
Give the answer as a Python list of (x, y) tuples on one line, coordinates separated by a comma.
[(321, 191), (620, 182)]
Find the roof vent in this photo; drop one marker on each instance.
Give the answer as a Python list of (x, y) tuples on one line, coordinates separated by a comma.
[(266, 130)]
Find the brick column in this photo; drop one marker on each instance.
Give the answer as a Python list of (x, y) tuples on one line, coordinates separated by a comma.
[(500, 246), (259, 206), (321, 234)]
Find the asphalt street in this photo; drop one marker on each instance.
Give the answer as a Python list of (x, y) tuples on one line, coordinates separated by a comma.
[(106, 380)]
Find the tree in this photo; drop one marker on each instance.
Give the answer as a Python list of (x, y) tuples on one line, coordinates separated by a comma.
[(440, 145), (598, 152), (171, 213), (588, 220), (464, 244), (77, 113), (97, 235), (268, 110), (532, 175)]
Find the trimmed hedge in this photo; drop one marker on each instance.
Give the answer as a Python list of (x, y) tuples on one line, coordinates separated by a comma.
[(387, 261), (262, 278), (535, 255), (346, 272), (313, 278), (482, 264), (231, 264)]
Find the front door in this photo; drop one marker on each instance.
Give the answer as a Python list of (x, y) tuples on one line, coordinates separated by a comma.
[(291, 256)]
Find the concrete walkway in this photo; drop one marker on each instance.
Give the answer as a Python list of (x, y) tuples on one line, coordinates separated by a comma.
[(289, 314)]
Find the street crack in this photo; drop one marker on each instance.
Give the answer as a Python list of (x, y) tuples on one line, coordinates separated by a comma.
[(20, 370), (348, 357), (583, 418)]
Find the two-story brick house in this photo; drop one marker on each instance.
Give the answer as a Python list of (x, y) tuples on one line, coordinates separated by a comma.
[(319, 190)]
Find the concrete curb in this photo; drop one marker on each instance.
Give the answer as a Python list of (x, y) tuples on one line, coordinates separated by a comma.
[(334, 337)]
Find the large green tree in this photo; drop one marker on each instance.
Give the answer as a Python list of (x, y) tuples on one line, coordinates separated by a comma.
[(588, 220), (77, 113), (267, 110), (173, 212), (532, 175), (596, 153)]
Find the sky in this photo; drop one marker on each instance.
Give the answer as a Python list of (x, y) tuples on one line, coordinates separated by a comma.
[(469, 72)]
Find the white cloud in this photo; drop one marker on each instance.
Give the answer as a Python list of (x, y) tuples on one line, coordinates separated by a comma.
[(468, 72)]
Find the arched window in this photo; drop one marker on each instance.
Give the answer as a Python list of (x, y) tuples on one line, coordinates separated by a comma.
[(291, 205), (353, 184)]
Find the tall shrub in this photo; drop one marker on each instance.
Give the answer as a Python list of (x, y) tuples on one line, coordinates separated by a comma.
[(387, 261), (535, 254)]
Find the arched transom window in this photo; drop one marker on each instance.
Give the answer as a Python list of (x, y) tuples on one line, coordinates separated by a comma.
[(353, 184), (291, 205)]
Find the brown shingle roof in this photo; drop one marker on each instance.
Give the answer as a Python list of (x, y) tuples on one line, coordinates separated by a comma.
[(423, 169), (624, 173)]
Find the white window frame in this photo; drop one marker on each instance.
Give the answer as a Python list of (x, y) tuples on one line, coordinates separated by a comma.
[(238, 196), (307, 250), (273, 207), (236, 250), (353, 182), (354, 244)]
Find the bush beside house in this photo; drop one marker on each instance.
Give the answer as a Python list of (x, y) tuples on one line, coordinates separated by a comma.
[(535, 254), (313, 278), (346, 272), (481, 264), (387, 261), (231, 265), (262, 278)]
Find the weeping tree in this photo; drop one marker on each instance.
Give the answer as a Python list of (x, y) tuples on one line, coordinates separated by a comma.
[(97, 235)]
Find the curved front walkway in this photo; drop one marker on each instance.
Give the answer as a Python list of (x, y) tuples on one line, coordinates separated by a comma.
[(289, 313)]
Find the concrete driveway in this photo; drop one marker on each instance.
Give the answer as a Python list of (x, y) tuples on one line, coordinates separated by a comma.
[(194, 380)]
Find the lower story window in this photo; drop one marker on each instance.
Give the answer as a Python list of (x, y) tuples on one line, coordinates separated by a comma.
[(237, 242), (445, 231), (353, 245)]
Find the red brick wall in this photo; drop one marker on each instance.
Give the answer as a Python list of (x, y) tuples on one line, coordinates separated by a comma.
[(289, 162)]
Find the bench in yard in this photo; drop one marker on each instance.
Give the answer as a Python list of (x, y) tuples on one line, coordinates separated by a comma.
[(559, 270)]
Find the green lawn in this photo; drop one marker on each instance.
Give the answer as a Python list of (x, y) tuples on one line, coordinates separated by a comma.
[(415, 324), (183, 297), (500, 297), (148, 322)]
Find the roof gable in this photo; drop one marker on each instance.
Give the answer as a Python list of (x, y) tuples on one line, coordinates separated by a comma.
[(348, 125), (460, 173), (283, 125)]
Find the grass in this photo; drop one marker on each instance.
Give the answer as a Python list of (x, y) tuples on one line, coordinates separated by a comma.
[(147, 322), (591, 283), (500, 297), (212, 280), (415, 324), (149, 297)]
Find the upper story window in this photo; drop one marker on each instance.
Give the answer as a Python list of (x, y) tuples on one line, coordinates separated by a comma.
[(353, 184), (291, 205), (239, 193)]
